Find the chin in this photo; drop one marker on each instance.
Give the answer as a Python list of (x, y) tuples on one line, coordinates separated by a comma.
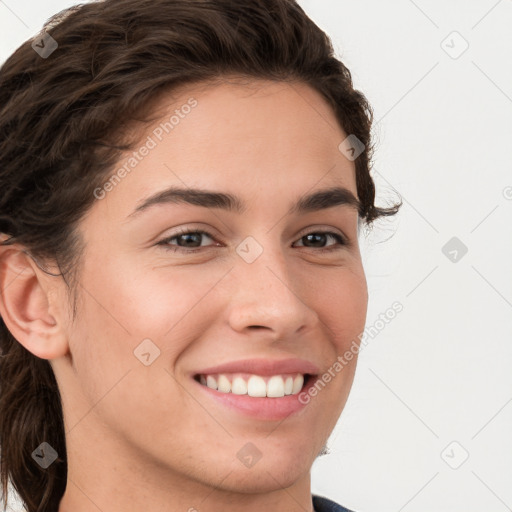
[(276, 469), (265, 478)]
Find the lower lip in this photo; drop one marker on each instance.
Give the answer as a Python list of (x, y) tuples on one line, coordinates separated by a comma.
[(265, 408)]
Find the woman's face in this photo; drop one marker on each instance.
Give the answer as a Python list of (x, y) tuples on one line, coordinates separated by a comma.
[(157, 310)]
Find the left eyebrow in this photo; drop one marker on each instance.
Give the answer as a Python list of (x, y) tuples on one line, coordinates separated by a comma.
[(316, 201)]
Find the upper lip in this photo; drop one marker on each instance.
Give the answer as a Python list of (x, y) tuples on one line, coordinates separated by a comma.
[(263, 366)]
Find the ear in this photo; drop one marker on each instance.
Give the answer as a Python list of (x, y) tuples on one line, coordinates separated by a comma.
[(29, 303)]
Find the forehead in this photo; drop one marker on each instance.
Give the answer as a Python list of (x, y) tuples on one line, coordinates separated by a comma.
[(252, 138), (290, 116)]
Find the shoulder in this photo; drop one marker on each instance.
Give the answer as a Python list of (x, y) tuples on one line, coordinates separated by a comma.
[(322, 504)]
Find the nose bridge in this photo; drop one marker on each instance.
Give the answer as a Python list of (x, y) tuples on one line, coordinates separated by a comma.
[(264, 294)]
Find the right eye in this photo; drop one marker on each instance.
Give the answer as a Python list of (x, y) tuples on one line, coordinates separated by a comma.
[(193, 235)]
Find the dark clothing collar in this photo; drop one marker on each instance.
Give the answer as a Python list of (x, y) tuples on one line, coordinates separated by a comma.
[(322, 504)]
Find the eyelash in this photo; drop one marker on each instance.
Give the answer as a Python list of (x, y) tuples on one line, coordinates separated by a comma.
[(165, 242)]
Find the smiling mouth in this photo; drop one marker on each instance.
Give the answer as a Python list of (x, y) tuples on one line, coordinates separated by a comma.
[(271, 386)]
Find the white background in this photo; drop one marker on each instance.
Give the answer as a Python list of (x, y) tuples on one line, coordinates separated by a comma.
[(440, 371)]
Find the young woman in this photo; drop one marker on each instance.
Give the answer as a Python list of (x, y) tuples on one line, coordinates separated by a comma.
[(182, 184)]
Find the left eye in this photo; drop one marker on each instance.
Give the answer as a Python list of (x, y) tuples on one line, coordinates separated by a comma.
[(318, 237), (190, 241)]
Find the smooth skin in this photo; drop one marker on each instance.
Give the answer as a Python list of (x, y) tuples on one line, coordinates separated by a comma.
[(147, 437)]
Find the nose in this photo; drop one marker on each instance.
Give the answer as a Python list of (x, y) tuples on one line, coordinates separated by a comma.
[(266, 295)]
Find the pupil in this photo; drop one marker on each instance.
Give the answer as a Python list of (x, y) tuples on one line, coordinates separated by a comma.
[(317, 236), (188, 236)]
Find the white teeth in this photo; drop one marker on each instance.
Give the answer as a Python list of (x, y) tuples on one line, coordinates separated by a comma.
[(224, 386), (298, 382), (211, 382), (239, 386), (275, 386), (256, 386), (288, 386)]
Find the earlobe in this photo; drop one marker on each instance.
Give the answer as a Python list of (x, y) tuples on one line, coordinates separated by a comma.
[(26, 304)]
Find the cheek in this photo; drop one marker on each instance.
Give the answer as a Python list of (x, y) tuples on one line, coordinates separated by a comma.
[(126, 302), (342, 305)]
